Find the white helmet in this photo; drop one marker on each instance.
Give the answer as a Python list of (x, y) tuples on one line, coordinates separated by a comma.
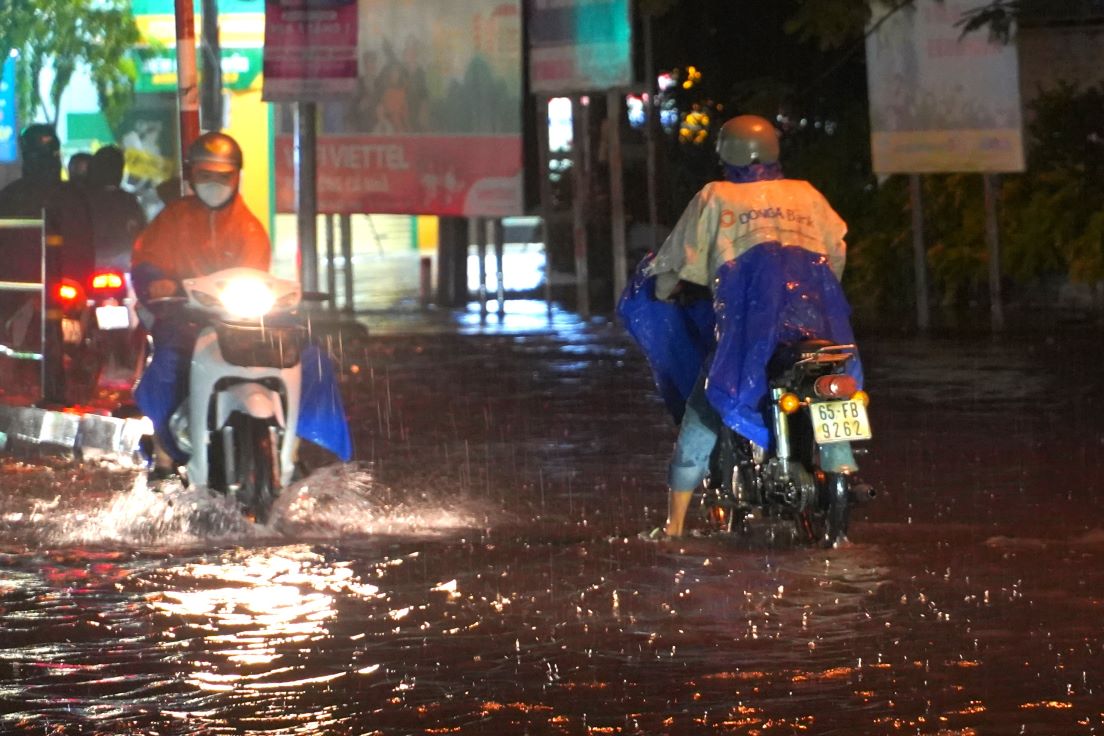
[(747, 139)]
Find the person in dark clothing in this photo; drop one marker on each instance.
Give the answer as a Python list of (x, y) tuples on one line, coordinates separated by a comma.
[(119, 216), (78, 167), (41, 188)]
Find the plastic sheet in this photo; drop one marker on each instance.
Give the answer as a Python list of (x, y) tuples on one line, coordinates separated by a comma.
[(676, 338), (321, 413), (769, 296)]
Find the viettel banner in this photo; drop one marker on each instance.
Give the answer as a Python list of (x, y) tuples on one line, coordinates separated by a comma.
[(434, 125)]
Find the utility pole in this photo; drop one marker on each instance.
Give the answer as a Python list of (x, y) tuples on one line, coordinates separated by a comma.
[(210, 103)]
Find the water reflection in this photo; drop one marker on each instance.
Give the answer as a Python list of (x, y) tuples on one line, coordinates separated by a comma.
[(277, 601)]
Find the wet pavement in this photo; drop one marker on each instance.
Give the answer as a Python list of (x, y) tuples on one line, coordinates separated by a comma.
[(477, 569)]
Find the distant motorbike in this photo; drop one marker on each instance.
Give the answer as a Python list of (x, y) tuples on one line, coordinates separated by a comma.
[(813, 404), (240, 420), (115, 336)]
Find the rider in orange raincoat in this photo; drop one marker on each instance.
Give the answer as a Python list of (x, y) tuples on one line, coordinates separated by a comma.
[(193, 236)]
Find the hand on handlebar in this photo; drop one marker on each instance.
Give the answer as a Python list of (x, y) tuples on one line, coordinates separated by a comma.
[(162, 288)]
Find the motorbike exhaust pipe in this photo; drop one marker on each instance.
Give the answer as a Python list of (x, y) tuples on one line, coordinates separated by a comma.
[(862, 492)]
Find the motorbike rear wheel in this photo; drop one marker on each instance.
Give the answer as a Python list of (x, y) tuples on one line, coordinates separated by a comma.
[(825, 524), (254, 465)]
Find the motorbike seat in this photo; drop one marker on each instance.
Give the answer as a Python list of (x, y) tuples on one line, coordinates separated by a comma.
[(787, 354)]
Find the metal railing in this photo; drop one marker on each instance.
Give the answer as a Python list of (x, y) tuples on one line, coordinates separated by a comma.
[(49, 363)]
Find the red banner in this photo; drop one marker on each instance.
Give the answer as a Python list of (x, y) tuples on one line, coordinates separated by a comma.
[(444, 175)]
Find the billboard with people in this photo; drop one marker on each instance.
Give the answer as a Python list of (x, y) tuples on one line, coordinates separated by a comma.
[(434, 124)]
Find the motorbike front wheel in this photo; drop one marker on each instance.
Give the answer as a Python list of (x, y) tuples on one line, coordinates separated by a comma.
[(254, 464), (825, 523)]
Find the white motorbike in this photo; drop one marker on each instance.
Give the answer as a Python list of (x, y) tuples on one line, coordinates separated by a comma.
[(240, 419)]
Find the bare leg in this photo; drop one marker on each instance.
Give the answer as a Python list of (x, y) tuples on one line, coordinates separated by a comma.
[(678, 502)]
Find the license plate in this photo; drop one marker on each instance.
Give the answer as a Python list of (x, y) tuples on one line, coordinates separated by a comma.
[(839, 421), (113, 318)]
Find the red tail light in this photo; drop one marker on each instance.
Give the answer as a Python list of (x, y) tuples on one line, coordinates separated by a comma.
[(67, 293), (107, 281), (835, 387)]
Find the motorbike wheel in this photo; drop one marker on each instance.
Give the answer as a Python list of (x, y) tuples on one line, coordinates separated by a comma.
[(826, 523), (254, 465)]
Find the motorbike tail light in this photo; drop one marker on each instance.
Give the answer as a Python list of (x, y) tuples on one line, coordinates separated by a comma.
[(67, 293), (862, 396), (835, 386), (107, 281), (789, 403)]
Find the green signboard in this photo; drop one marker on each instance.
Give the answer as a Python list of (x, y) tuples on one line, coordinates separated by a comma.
[(157, 68)]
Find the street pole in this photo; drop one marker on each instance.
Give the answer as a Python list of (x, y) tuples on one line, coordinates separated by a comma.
[(543, 156), (614, 109), (499, 237), (919, 253), (651, 131), (187, 88), (211, 92), (579, 196), (992, 238), (347, 257), (306, 192)]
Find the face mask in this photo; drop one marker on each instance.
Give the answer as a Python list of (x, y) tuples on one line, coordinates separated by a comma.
[(214, 194)]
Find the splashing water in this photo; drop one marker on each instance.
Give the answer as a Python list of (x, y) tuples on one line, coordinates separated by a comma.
[(340, 500)]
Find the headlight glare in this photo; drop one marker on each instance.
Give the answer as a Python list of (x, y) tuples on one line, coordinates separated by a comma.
[(247, 298)]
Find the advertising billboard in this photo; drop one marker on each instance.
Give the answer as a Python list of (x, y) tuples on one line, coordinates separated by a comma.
[(9, 133), (941, 101), (310, 50), (434, 124), (579, 45)]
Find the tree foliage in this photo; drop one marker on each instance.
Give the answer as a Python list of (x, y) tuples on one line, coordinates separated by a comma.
[(66, 35)]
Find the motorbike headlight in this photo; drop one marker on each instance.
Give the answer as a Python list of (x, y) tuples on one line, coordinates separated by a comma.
[(247, 298)]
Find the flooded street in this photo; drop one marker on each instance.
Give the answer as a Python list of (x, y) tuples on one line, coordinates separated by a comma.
[(478, 570)]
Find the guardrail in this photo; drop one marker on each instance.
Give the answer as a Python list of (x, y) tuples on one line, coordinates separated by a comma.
[(49, 354)]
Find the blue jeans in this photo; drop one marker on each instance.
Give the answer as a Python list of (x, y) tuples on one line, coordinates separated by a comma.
[(701, 424)]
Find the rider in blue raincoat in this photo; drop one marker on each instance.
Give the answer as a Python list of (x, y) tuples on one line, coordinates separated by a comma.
[(771, 252)]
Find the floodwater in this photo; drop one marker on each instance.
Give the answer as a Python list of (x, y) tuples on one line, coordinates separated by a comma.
[(477, 569)]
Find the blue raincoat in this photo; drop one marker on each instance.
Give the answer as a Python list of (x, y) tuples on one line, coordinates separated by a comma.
[(768, 296)]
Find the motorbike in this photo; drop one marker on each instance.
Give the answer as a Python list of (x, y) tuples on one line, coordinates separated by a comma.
[(240, 421), (813, 404), (115, 335)]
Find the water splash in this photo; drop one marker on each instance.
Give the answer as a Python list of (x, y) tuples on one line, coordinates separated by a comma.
[(172, 515), (336, 501), (346, 500)]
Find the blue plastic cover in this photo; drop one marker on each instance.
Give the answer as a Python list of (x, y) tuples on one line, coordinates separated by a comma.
[(769, 296), (676, 338), (321, 413)]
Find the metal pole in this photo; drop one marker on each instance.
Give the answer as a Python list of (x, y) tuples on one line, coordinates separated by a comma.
[(481, 247), (53, 373), (331, 262), (651, 131), (499, 236), (992, 238), (306, 193), (543, 156), (578, 208), (187, 88), (919, 253), (211, 93), (347, 256), (614, 107)]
